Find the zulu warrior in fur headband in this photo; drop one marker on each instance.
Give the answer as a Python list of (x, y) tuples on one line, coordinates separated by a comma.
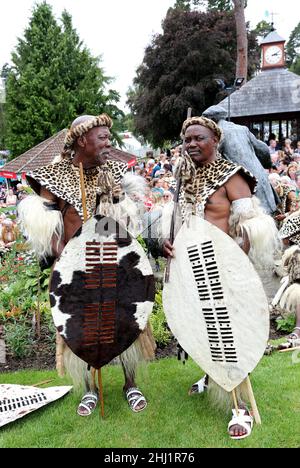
[(81, 126)]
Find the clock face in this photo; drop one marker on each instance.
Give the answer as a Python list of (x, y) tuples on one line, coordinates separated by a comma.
[(273, 55)]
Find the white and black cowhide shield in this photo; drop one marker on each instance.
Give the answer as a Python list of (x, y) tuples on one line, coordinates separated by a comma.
[(101, 291), (215, 303)]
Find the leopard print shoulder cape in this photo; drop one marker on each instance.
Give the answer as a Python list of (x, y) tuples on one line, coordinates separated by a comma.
[(200, 183), (62, 179)]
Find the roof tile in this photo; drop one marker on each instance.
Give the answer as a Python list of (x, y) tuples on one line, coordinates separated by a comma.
[(44, 153)]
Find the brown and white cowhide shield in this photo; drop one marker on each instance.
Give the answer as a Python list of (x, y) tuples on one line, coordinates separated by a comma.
[(215, 303), (101, 291)]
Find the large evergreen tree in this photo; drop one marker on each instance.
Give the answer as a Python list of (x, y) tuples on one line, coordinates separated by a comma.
[(293, 50), (179, 70), (3, 76), (53, 80)]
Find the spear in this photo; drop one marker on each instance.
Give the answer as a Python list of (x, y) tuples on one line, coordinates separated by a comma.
[(176, 199)]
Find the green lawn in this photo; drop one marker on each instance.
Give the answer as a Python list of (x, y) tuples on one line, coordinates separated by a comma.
[(172, 418), (7, 209)]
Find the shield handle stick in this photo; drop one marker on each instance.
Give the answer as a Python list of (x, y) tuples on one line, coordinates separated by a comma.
[(236, 406), (252, 401), (85, 218), (176, 199)]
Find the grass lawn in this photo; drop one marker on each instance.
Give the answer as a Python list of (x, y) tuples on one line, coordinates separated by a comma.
[(172, 418), (7, 209)]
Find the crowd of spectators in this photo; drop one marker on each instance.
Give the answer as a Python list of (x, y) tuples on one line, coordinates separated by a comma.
[(159, 175), (11, 196), (8, 234), (285, 177), (9, 199)]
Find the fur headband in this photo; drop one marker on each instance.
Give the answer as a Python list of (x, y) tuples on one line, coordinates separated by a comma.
[(102, 120), (204, 122)]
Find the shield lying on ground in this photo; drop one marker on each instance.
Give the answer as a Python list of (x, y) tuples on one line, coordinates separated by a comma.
[(215, 303), (101, 291), (16, 401)]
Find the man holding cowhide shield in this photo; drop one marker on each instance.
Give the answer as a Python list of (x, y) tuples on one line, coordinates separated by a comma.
[(213, 298), (83, 220)]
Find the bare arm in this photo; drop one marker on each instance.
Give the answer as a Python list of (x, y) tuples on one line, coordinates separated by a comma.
[(237, 188)]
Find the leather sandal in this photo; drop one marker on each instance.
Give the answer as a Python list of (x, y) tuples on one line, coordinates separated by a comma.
[(134, 397), (88, 404)]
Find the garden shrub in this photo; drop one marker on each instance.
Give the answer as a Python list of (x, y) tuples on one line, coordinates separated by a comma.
[(161, 333), (18, 337), (24, 291), (286, 324)]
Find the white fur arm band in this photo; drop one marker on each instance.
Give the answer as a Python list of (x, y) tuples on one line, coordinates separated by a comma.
[(247, 216), (244, 207), (40, 222)]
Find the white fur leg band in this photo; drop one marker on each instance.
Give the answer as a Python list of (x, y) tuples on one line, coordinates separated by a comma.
[(40, 224)]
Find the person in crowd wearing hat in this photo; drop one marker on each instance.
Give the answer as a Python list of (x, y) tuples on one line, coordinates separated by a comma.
[(289, 295)]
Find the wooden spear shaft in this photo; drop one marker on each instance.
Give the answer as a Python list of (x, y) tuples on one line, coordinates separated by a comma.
[(289, 350), (45, 382), (83, 194), (176, 199), (85, 218), (101, 392)]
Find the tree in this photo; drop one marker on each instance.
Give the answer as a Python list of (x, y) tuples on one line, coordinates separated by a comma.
[(220, 5), (179, 69), (184, 5), (2, 127), (295, 68), (54, 78), (242, 39), (263, 28), (293, 50), (238, 7), (3, 77)]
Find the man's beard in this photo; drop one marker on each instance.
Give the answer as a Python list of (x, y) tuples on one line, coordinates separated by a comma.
[(103, 157)]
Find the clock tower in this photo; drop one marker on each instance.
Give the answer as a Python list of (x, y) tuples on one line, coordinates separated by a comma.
[(273, 53)]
